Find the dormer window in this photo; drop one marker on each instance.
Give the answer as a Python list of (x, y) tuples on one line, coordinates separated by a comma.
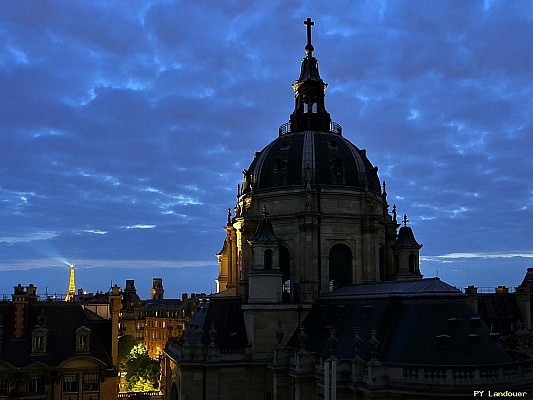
[(82, 339), (39, 340)]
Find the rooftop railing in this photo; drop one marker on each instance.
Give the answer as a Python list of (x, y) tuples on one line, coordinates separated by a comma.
[(333, 128)]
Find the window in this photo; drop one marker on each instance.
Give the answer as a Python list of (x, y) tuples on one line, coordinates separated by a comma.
[(285, 267), (412, 263), (70, 384), (91, 382), (38, 341), (82, 339), (4, 387), (36, 385), (268, 259), (340, 266)]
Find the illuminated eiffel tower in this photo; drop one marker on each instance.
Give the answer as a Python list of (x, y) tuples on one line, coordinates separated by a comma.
[(71, 285)]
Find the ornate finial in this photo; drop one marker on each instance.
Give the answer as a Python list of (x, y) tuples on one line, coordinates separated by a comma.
[(229, 215), (357, 342), (394, 215), (405, 220), (264, 213), (332, 342), (199, 335), (212, 334), (373, 343), (238, 190), (302, 337), (309, 47), (384, 188), (42, 319)]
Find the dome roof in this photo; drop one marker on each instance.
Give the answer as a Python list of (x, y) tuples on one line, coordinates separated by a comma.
[(310, 148), (315, 157)]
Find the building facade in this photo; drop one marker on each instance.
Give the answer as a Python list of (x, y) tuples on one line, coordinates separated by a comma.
[(56, 350), (319, 293)]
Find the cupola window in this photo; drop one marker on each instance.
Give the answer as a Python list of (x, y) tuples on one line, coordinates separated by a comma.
[(412, 263), (268, 259)]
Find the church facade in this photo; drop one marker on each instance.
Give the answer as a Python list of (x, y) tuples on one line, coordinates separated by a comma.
[(319, 293)]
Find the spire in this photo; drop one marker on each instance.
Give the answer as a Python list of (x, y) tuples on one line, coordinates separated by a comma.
[(310, 112), (71, 285), (406, 238), (265, 231)]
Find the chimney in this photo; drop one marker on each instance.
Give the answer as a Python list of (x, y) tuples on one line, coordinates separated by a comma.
[(130, 286), (22, 298), (502, 289), (184, 296), (115, 300), (157, 289), (1, 332)]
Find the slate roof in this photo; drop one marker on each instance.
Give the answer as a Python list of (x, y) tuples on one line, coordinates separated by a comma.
[(500, 310), (424, 322), (225, 314), (285, 160), (406, 238), (62, 321), (264, 232), (407, 288)]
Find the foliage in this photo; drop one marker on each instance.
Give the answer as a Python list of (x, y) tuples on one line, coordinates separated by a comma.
[(125, 346), (143, 373)]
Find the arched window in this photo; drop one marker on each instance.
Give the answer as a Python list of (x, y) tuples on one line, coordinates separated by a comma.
[(285, 267), (412, 263), (340, 266), (267, 259)]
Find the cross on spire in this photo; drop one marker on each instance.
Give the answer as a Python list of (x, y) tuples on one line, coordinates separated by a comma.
[(309, 47), (405, 220)]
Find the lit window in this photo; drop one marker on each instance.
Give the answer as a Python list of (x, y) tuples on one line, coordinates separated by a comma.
[(91, 382), (70, 384)]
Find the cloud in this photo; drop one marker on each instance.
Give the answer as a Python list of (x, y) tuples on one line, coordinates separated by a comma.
[(140, 226), (453, 256), (114, 115), (29, 237), (39, 264)]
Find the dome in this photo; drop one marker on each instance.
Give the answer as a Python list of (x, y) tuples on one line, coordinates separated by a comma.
[(310, 148), (320, 158)]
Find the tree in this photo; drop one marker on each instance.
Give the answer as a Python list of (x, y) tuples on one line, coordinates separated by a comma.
[(125, 345), (143, 373)]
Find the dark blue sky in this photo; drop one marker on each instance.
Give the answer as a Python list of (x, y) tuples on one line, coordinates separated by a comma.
[(124, 128)]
